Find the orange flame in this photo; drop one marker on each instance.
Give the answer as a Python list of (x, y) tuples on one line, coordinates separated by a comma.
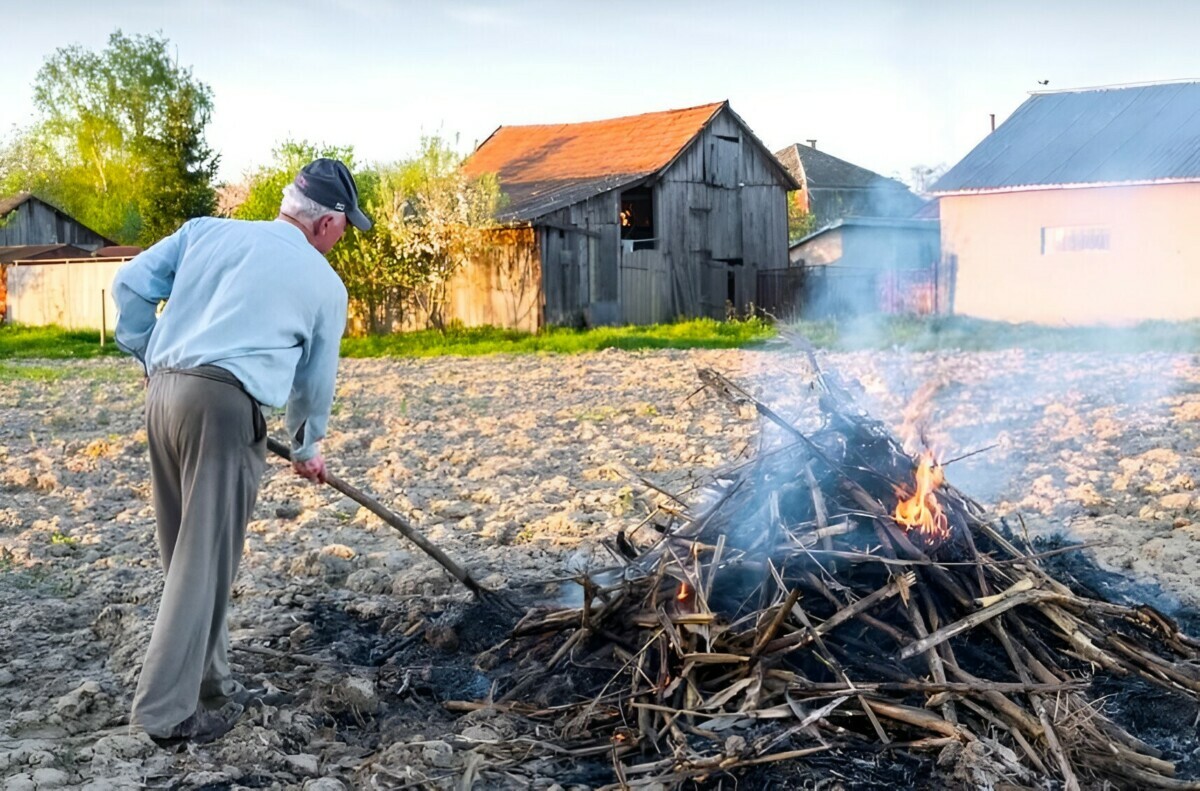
[(921, 511), (684, 592)]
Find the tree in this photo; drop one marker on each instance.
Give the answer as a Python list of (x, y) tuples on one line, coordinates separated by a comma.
[(119, 139), (440, 219), (922, 177), (801, 222), (265, 184), (429, 219)]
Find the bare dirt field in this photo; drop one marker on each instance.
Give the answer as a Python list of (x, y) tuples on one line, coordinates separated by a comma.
[(522, 468)]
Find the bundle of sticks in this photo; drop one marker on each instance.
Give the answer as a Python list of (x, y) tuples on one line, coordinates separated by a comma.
[(804, 611)]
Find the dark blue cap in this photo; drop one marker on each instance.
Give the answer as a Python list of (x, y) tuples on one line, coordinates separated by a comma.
[(329, 183)]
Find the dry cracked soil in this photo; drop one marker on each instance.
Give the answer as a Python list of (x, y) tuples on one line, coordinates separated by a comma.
[(524, 468)]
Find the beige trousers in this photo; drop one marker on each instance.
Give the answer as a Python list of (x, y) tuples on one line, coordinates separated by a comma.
[(207, 441)]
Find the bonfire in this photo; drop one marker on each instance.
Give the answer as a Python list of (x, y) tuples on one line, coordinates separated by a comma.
[(837, 594)]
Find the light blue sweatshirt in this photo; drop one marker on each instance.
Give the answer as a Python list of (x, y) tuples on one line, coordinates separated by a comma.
[(254, 298)]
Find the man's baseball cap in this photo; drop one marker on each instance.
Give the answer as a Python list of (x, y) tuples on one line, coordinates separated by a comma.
[(329, 183)]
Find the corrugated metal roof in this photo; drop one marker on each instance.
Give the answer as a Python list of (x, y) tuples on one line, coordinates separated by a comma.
[(33, 252), (530, 200), (1117, 135), (543, 167)]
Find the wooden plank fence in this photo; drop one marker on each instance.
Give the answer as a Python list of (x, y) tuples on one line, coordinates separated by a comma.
[(71, 294)]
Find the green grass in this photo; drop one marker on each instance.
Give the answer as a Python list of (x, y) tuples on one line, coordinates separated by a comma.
[(697, 333), (52, 343), (960, 333), (18, 343), (32, 373)]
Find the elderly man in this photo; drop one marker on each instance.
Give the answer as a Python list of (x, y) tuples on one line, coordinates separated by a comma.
[(254, 316)]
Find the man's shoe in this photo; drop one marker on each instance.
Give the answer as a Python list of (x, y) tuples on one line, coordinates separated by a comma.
[(202, 726), (250, 697)]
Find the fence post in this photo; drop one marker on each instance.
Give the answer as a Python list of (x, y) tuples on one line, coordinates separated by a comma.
[(103, 317)]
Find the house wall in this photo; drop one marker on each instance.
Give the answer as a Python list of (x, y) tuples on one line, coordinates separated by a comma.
[(721, 216), (818, 251), (992, 252), (35, 222)]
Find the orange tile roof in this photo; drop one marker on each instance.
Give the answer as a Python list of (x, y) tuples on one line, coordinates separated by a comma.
[(617, 146), (543, 167)]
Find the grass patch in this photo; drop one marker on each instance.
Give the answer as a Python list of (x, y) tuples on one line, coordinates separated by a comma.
[(966, 334), (693, 334), (31, 373), (18, 341)]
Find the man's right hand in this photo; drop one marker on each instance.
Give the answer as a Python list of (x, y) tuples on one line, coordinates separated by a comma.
[(313, 469)]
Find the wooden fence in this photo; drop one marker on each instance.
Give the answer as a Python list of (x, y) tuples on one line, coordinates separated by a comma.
[(76, 294), (780, 292)]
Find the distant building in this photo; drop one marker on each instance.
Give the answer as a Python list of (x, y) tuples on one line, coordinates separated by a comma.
[(26, 219), (832, 189), (868, 265), (50, 270), (637, 219), (1080, 208)]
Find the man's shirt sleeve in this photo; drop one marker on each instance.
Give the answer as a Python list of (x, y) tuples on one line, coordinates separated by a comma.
[(138, 288), (313, 387)]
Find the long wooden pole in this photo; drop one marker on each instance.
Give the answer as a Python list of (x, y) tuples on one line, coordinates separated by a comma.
[(395, 520)]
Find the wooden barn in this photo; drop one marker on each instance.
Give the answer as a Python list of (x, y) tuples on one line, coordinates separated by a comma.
[(632, 220), (1080, 208)]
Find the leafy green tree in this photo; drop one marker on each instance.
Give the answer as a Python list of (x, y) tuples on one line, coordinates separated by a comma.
[(119, 139), (429, 219), (266, 183), (801, 222), (436, 219)]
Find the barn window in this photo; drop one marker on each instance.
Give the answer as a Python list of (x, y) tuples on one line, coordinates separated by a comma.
[(1074, 238), (637, 219)]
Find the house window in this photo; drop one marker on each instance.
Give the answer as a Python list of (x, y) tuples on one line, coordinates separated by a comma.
[(637, 219), (1074, 238)]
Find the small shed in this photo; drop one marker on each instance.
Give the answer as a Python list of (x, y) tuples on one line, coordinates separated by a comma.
[(26, 219), (631, 220), (868, 265), (58, 284), (832, 189), (1080, 209)]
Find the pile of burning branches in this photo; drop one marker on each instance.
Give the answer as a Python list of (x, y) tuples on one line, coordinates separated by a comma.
[(838, 594)]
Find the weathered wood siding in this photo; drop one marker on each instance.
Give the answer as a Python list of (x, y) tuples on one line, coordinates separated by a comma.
[(67, 294), (35, 222), (645, 287), (722, 216), (581, 254)]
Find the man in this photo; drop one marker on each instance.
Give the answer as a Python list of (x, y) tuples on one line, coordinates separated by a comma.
[(254, 316)]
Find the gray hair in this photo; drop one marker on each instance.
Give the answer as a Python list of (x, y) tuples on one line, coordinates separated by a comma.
[(296, 204)]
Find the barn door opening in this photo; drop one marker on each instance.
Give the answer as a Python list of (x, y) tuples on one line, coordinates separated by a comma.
[(637, 220)]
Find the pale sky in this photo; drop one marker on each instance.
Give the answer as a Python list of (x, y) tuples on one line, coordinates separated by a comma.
[(886, 85)]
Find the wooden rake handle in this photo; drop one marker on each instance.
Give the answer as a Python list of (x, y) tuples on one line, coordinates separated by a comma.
[(395, 520)]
